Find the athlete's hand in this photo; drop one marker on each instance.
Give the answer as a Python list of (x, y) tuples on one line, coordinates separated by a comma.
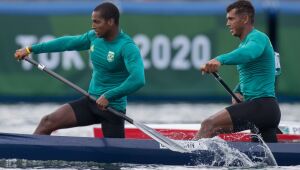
[(102, 102), (238, 95), (211, 66), (21, 53)]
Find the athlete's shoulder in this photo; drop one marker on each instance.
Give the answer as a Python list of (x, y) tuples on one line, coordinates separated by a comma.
[(127, 41), (128, 45), (91, 34), (125, 37), (258, 34)]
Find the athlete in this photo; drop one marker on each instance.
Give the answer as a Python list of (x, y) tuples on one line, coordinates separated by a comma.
[(117, 72), (254, 58)]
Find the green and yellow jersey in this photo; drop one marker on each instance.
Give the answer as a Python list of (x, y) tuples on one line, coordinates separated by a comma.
[(117, 65), (255, 63)]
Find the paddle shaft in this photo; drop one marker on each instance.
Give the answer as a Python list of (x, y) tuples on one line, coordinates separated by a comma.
[(149, 131), (220, 80), (80, 90)]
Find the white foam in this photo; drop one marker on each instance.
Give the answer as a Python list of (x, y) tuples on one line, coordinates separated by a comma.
[(225, 155)]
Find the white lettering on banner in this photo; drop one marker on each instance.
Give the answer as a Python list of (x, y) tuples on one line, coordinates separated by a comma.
[(72, 58), (182, 44), (160, 52), (201, 51), (144, 45), (52, 61), (187, 54)]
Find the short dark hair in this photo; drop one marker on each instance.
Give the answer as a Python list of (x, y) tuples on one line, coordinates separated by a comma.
[(108, 11), (243, 7)]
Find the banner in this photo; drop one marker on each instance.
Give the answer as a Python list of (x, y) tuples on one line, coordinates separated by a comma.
[(288, 37), (173, 49)]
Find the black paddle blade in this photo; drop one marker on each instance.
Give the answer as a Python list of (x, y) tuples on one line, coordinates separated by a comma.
[(168, 143)]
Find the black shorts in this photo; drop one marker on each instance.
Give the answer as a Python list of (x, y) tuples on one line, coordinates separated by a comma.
[(87, 113), (262, 114)]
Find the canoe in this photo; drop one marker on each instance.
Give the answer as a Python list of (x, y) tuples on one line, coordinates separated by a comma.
[(137, 151)]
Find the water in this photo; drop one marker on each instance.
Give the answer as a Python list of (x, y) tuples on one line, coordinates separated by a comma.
[(23, 118), (224, 154)]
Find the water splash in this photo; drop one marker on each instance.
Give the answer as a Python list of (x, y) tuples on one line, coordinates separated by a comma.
[(269, 155), (227, 155)]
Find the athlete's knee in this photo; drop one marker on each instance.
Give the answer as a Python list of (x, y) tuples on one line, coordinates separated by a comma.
[(208, 126), (48, 122), (207, 123), (212, 127), (45, 126), (46, 119)]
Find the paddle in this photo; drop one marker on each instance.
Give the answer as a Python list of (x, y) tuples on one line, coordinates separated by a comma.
[(168, 143), (220, 80)]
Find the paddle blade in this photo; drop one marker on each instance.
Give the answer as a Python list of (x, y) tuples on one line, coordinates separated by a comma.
[(168, 143)]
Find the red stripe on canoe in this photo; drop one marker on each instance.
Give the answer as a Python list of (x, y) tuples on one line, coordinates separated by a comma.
[(180, 134)]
